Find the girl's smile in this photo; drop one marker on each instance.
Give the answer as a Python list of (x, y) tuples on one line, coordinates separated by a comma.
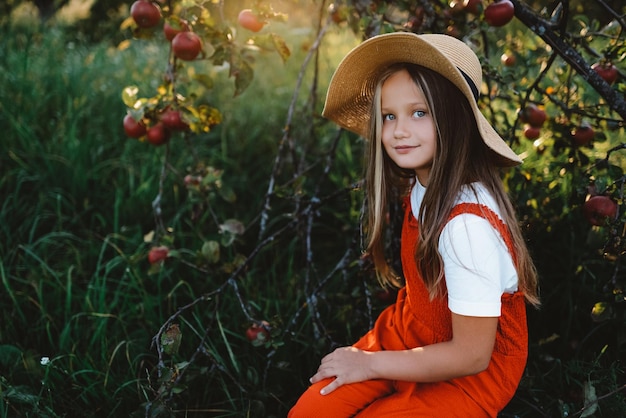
[(404, 149)]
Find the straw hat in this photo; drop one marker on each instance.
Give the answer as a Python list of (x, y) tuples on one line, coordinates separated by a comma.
[(352, 87)]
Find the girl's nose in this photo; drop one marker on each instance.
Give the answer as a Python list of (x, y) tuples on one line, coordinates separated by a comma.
[(400, 130)]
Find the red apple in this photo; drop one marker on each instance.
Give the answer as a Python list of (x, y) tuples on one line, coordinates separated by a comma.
[(186, 46), (158, 134), (532, 132), (474, 7), (416, 19), (172, 120), (247, 19), (453, 30), (599, 209), (157, 254), (533, 115), (173, 28), (338, 13), (258, 334), (133, 128), (508, 59), (456, 7), (499, 13), (607, 71), (583, 134), (191, 180), (145, 13)]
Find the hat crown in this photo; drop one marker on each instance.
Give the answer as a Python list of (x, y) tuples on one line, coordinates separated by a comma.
[(460, 54)]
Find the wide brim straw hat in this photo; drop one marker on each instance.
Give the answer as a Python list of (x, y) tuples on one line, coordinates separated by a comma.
[(351, 89)]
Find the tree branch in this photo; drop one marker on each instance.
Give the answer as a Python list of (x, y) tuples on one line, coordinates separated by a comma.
[(545, 31)]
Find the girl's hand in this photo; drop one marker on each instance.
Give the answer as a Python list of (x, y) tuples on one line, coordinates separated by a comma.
[(347, 365), (467, 353)]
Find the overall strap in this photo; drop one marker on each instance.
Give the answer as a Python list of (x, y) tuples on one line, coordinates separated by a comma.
[(486, 213)]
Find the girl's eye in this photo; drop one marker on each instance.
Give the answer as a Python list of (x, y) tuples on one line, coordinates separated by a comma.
[(419, 113), (388, 116)]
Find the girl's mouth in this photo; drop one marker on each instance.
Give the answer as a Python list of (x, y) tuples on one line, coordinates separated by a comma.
[(403, 149)]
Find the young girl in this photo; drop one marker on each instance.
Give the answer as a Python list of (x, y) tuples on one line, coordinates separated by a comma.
[(455, 342)]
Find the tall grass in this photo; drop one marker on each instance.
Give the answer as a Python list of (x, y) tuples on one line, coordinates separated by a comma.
[(74, 199)]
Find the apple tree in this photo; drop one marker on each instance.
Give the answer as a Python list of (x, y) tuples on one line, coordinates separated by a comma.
[(180, 112)]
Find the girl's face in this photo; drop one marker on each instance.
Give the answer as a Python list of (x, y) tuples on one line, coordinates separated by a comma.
[(408, 133)]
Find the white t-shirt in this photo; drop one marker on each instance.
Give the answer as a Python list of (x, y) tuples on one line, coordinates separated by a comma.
[(478, 267)]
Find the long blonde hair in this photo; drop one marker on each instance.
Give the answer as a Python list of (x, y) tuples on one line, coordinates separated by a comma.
[(461, 158)]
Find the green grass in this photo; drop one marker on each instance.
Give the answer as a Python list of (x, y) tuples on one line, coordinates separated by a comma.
[(76, 223)]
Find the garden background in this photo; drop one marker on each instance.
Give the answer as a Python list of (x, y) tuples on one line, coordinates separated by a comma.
[(255, 205)]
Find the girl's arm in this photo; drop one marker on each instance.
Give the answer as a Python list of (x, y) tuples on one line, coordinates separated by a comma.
[(467, 353)]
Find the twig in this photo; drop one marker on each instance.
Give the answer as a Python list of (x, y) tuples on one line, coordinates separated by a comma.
[(156, 203), (231, 281), (613, 13), (598, 399), (605, 160), (544, 30), (286, 130)]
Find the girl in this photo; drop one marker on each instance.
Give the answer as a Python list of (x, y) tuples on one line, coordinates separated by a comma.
[(455, 342)]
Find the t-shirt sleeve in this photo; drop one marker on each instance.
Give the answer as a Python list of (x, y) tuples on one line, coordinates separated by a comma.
[(478, 267)]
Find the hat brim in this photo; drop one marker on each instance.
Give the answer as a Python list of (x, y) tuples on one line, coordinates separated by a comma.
[(351, 90)]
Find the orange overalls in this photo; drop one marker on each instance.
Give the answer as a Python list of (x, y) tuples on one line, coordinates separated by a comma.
[(415, 321)]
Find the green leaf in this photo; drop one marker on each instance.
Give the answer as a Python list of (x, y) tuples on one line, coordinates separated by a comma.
[(615, 171), (591, 400), (170, 339), (281, 47), (601, 311), (228, 194), (10, 356), (221, 55), (233, 226), (230, 229), (179, 389), (211, 251), (205, 80), (129, 96), (243, 73), (21, 395)]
